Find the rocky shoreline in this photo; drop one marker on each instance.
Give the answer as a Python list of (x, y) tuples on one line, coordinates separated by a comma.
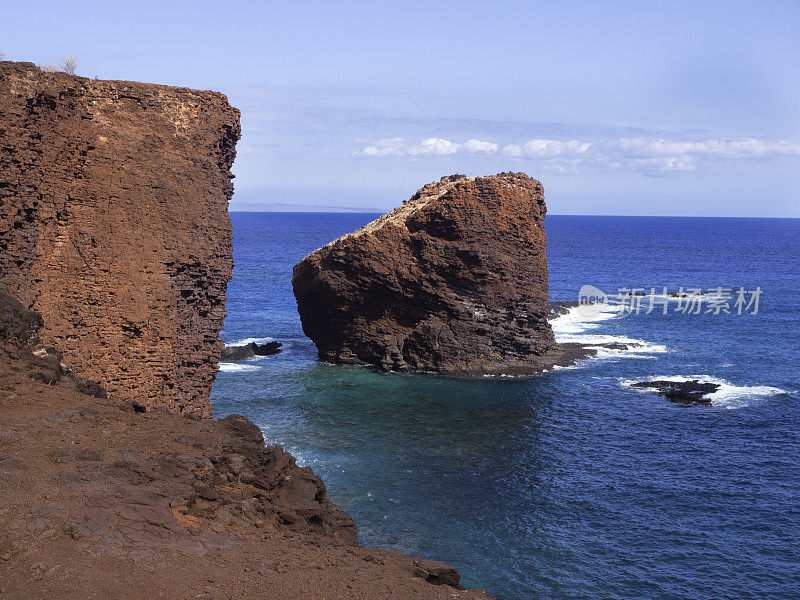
[(115, 482), (99, 498), (109, 497)]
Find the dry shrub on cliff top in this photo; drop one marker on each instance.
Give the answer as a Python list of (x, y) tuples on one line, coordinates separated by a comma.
[(2, 55), (68, 64)]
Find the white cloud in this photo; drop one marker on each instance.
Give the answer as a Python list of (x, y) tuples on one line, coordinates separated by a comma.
[(427, 147), (436, 146), (716, 148), (387, 147), (475, 146), (539, 148), (649, 156), (662, 166), (654, 156)]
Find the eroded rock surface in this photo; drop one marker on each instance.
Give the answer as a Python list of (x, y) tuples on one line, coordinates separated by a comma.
[(19, 339), (454, 281), (97, 500), (114, 227)]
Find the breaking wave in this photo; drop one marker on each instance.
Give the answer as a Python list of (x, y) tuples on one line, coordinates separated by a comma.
[(250, 340), (237, 367), (571, 328), (573, 321)]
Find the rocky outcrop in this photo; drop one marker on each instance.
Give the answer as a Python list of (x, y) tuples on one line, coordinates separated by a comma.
[(235, 353), (692, 392), (19, 327), (560, 308), (114, 227), (19, 339), (453, 281)]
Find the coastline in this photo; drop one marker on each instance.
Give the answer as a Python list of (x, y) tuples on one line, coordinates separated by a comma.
[(117, 253), (98, 496)]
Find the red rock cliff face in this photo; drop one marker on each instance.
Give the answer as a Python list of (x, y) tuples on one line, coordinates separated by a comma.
[(454, 281), (114, 226)]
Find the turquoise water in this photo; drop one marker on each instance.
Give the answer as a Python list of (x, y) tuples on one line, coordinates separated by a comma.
[(569, 484)]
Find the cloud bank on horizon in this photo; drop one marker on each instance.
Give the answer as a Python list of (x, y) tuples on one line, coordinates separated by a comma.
[(649, 156)]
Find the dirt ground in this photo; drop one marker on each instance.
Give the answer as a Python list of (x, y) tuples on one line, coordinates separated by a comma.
[(98, 500)]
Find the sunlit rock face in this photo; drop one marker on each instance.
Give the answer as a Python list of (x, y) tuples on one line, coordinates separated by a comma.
[(114, 227), (454, 281)]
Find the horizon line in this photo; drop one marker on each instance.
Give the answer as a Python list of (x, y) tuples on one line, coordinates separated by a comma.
[(380, 212)]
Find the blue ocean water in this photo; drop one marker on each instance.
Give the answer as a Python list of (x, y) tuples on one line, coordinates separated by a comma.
[(571, 484)]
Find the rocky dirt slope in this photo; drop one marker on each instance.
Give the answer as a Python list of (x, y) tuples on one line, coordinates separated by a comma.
[(102, 500)]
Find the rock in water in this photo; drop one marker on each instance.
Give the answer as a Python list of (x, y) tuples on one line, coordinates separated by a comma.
[(689, 393), (234, 353), (454, 281), (561, 308)]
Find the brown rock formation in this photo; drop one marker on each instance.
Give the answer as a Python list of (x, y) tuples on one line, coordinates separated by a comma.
[(453, 281), (19, 339), (114, 227), (97, 500)]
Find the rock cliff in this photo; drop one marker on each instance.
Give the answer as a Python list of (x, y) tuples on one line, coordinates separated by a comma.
[(114, 227), (453, 281), (115, 253)]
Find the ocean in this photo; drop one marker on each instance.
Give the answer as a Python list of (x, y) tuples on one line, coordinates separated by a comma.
[(570, 484)]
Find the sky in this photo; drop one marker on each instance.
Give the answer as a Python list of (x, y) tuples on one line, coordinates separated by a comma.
[(626, 108)]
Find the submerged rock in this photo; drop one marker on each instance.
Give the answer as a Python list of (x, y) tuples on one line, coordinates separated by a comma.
[(690, 393), (454, 281), (234, 353)]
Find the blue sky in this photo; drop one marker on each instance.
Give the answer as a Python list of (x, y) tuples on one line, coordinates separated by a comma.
[(680, 108)]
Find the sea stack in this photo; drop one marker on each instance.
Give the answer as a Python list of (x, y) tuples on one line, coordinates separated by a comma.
[(114, 227), (454, 281)]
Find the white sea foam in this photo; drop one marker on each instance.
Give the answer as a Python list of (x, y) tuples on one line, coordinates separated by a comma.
[(574, 321), (571, 328), (634, 347), (236, 367), (727, 395), (250, 340)]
